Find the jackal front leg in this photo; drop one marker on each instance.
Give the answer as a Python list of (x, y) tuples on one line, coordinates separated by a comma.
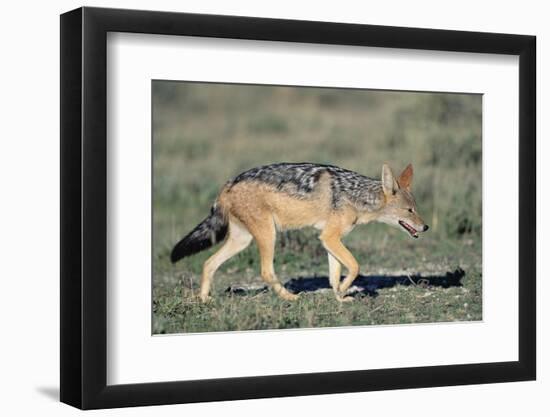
[(336, 249), (335, 270)]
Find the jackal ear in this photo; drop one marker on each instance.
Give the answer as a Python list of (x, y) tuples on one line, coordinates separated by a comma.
[(389, 184), (406, 177)]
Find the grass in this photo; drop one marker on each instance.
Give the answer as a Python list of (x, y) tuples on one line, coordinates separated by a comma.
[(203, 134)]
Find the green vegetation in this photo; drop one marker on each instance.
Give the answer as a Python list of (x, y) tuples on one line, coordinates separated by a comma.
[(204, 134)]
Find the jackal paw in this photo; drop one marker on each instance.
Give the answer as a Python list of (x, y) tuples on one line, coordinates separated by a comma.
[(288, 296), (205, 298), (344, 298)]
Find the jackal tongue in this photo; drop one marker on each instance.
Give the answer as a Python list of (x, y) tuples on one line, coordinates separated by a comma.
[(409, 228)]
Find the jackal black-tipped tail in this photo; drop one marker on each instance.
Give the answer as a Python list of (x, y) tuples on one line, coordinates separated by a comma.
[(206, 234)]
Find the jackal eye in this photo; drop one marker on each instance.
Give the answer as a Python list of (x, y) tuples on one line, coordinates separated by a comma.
[(411, 210)]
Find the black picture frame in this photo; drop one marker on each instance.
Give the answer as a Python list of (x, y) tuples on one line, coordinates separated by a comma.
[(84, 207)]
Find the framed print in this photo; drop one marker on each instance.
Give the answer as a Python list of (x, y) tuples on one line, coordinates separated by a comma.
[(258, 207)]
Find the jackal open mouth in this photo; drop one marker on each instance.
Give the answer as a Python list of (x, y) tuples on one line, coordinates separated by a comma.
[(412, 231)]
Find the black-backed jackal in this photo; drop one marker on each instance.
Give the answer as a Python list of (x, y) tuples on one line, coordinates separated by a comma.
[(260, 201)]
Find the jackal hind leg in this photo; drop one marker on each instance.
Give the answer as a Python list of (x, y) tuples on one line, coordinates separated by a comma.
[(336, 249), (238, 239), (265, 234)]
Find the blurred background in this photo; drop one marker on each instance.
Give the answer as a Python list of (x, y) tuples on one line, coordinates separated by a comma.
[(204, 134)]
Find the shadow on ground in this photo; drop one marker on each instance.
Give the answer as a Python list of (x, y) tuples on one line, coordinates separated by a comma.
[(364, 285), (50, 392)]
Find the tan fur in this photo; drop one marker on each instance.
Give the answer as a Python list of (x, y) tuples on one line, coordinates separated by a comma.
[(256, 211), (249, 200)]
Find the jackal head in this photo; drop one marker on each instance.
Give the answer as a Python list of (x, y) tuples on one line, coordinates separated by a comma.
[(400, 207)]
